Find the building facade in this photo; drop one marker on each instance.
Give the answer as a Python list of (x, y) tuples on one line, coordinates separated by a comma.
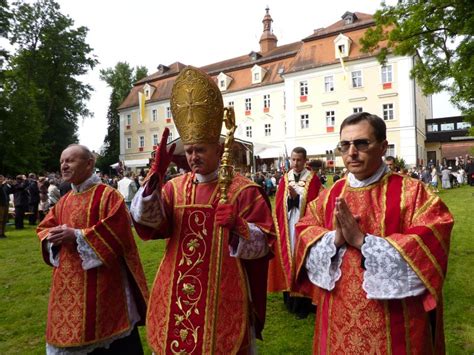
[(292, 95)]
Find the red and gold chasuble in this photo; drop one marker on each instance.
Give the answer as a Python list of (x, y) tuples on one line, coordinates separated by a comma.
[(416, 223), (281, 269), (197, 307), (90, 306)]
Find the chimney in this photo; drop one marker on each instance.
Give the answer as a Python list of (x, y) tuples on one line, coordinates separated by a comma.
[(268, 40)]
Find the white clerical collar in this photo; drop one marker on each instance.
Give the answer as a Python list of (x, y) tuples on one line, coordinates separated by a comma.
[(381, 171), (92, 180), (207, 178)]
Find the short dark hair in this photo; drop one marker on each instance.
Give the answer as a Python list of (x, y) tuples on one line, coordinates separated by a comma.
[(380, 129), (300, 150), (389, 158)]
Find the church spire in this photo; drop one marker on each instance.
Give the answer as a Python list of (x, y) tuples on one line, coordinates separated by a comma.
[(268, 40)]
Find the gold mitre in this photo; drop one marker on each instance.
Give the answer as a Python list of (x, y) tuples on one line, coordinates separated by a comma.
[(197, 107)]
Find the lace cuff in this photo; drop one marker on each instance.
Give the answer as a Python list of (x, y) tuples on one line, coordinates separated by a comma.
[(89, 258), (323, 262), (147, 210), (53, 254), (387, 275), (252, 248)]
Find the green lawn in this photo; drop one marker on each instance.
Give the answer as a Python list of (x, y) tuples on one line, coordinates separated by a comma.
[(25, 279)]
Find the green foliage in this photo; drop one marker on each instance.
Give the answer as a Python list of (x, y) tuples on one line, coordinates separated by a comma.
[(440, 35), (25, 280), (400, 162), (43, 97), (120, 79)]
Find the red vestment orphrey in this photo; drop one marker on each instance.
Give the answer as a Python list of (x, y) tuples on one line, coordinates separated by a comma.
[(90, 306), (418, 225), (195, 305), (281, 271)]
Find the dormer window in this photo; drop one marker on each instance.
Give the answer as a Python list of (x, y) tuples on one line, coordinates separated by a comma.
[(349, 17), (342, 46), (223, 81), (148, 91), (258, 73), (254, 55)]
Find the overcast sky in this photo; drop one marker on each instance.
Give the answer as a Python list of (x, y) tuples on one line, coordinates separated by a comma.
[(149, 33)]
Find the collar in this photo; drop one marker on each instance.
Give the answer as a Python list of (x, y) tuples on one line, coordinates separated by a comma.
[(86, 184), (381, 171), (303, 175), (207, 178)]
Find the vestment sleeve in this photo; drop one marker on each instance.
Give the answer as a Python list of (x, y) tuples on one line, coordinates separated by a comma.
[(387, 275), (424, 239), (323, 262), (254, 247), (88, 256), (152, 215), (50, 253)]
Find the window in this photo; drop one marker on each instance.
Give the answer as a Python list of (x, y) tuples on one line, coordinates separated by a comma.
[(463, 125), (268, 129), (357, 109), (230, 104), (330, 119), (256, 76), (303, 88), (141, 141), (387, 112), (129, 143), (447, 126), (266, 101), (329, 83), (356, 79), (390, 150), (386, 74), (222, 84), (155, 138), (248, 104), (168, 112), (433, 127), (248, 131), (304, 121), (129, 120), (154, 115)]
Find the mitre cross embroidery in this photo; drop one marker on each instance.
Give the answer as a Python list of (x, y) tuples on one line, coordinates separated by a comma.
[(190, 104)]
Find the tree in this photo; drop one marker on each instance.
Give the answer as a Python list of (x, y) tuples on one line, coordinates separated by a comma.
[(44, 97), (439, 33), (120, 79)]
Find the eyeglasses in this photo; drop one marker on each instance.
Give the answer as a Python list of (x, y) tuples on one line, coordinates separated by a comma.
[(360, 144)]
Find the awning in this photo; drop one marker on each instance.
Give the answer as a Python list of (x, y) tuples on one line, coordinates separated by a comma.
[(136, 163), (268, 153)]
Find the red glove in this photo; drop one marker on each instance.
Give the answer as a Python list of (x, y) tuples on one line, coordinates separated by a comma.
[(225, 215), (160, 164)]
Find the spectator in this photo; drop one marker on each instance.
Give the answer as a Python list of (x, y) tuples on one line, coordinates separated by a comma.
[(445, 178), (4, 203), (43, 206), (33, 198), (54, 194), (127, 188), (390, 162), (20, 199)]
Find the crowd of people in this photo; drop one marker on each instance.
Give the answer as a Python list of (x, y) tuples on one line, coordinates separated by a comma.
[(368, 254)]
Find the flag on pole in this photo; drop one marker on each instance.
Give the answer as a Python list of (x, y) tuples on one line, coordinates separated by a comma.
[(342, 65), (141, 103)]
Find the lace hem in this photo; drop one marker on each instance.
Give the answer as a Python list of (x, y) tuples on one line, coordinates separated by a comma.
[(147, 210), (387, 275), (88, 256), (323, 262), (253, 248), (53, 255)]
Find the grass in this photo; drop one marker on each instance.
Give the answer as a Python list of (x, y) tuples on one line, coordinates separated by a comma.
[(25, 282)]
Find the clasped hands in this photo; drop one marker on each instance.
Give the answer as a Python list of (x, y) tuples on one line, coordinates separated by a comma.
[(61, 234), (347, 226)]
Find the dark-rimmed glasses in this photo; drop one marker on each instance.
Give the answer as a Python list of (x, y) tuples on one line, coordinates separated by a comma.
[(359, 144)]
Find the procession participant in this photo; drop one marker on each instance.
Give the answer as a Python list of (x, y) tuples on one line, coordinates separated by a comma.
[(205, 299), (297, 188), (376, 245), (98, 293)]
